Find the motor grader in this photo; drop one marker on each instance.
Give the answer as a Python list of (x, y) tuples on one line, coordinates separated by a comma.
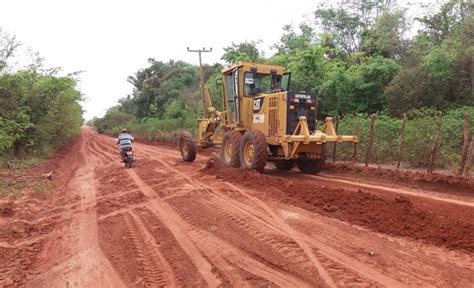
[(262, 121)]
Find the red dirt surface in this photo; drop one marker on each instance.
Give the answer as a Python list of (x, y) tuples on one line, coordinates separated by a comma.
[(435, 181), (168, 223), (422, 219)]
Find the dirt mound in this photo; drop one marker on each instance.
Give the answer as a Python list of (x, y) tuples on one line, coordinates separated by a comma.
[(436, 181), (432, 221)]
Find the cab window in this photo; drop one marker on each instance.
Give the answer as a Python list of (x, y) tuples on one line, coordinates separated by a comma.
[(230, 91), (256, 83)]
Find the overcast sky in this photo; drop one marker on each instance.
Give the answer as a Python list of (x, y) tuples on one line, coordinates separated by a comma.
[(110, 40)]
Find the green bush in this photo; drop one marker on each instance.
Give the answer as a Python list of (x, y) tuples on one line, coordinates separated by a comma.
[(39, 113)]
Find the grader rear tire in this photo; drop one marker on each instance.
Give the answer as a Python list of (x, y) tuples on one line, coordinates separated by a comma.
[(187, 147), (284, 165), (253, 150), (229, 153), (310, 166)]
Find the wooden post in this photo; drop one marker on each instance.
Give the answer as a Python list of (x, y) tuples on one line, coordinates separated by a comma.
[(434, 147), (335, 143), (201, 79), (356, 145), (465, 151), (469, 157), (402, 133), (368, 154)]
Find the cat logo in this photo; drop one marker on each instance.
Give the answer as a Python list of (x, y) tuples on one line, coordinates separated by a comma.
[(257, 104)]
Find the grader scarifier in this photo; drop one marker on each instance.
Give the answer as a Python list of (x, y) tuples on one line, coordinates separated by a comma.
[(262, 121)]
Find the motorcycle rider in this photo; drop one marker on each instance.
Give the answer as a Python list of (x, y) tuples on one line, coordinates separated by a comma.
[(125, 140)]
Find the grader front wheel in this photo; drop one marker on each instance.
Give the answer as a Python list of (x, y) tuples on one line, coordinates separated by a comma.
[(187, 147), (253, 150)]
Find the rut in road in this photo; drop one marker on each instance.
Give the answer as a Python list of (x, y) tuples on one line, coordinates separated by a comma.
[(158, 271)]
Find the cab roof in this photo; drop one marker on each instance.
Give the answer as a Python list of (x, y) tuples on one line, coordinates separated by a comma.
[(257, 67)]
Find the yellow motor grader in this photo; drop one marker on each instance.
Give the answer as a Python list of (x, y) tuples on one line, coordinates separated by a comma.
[(262, 121)]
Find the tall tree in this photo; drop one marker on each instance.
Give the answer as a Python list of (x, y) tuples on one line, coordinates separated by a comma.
[(440, 24), (245, 51), (8, 46), (386, 37)]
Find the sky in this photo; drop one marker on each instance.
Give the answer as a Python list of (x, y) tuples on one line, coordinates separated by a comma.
[(110, 40)]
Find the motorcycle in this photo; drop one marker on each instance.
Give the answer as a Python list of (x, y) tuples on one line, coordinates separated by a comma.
[(127, 156)]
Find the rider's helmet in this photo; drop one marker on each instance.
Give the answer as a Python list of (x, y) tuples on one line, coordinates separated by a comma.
[(124, 130)]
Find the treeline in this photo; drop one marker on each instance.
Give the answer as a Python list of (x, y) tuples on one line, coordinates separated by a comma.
[(39, 111), (360, 57)]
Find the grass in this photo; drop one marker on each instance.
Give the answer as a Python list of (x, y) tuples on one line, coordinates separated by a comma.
[(13, 187)]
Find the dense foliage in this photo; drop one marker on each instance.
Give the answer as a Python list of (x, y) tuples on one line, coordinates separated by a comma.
[(418, 137), (359, 57), (39, 111)]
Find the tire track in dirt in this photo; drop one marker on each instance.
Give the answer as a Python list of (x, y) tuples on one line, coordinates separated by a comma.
[(244, 216), (287, 230), (175, 225), (220, 251), (99, 156), (263, 218), (88, 265), (289, 251), (285, 264), (333, 255), (223, 256), (157, 270)]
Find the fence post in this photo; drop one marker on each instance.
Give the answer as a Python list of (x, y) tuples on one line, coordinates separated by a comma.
[(335, 143), (469, 157), (434, 147), (465, 151), (402, 133), (368, 154), (356, 145)]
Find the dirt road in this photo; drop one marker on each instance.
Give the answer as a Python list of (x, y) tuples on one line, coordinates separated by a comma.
[(167, 223)]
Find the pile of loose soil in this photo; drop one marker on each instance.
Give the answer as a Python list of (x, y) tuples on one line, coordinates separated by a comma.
[(437, 181), (432, 221)]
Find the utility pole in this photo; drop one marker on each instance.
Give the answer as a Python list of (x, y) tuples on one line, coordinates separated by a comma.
[(201, 75)]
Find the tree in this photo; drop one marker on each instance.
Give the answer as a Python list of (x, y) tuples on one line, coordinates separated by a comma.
[(370, 80), (112, 118), (412, 88), (246, 51), (441, 24), (309, 67), (386, 37), (344, 27), (337, 92), (435, 74), (291, 41), (8, 46)]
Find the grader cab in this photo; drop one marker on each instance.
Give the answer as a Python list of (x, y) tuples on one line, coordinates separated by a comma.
[(262, 121)]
